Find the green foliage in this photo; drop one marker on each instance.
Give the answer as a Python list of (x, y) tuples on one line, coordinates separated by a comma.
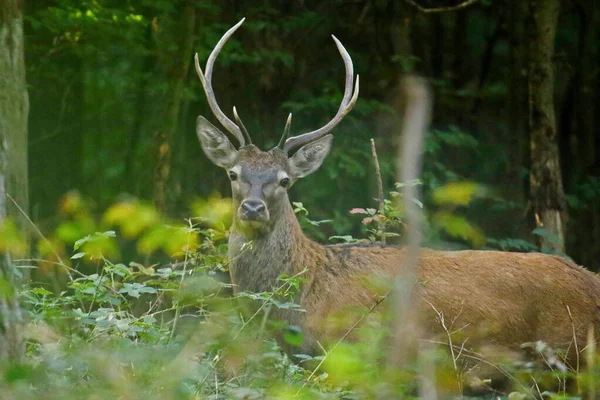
[(585, 193), (171, 329), (159, 330), (129, 303), (11, 240)]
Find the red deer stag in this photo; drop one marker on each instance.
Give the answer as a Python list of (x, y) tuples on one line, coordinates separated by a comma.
[(505, 298)]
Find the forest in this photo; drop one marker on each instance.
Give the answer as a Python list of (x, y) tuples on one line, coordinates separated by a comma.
[(114, 224)]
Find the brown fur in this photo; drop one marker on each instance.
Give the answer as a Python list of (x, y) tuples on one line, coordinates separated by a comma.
[(506, 298), (497, 298)]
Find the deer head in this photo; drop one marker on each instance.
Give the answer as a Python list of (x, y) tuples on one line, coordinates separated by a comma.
[(260, 179)]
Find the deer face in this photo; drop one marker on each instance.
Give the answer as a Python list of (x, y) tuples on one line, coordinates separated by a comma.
[(260, 179)]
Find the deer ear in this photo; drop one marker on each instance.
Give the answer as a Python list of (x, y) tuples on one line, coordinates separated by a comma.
[(309, 157), (215, 144)]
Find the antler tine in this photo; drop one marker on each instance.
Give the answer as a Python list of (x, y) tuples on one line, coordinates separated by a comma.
[(207, 85), (286, 132), (349, 70), (239, 122), (348, 102)]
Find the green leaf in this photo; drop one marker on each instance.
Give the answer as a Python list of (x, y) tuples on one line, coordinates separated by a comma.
[(458, 193), (459, 227), (293, 335), (286, 305), (417, 202), (118, 269), (412, 182), (344, 238), (546, 234)]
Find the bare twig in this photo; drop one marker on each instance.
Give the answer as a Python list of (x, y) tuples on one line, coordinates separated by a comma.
[(449, 333), (185, 264), (576, 346), (473, 355), (590, 356), (379, 183), (378, 171), (42, 236), (537, 387), (266, 302), (442, 9), (222, 353), (574, 339), (352, 328), (41, 260)]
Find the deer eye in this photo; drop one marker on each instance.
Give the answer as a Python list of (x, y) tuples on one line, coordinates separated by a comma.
[(232, 175), (284, 182)]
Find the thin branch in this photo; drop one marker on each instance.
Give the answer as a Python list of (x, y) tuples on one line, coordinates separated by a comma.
[(41, 235), (537, 387), (266, 302), (358, 322), (379, 182), (41, 260), (378, 171), (185, 263), (590, 358), (576, 347), (442, 9), (473, 355)]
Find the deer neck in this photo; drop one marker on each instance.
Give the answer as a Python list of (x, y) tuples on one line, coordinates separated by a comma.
[(258, 258)]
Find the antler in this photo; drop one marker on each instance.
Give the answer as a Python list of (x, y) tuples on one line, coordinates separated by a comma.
[(286, 132), (207, 85), (348, 102)]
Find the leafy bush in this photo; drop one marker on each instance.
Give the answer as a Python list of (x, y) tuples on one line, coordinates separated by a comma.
[(168, 326)]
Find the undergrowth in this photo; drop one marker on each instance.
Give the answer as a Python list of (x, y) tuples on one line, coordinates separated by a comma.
[(131, 305)]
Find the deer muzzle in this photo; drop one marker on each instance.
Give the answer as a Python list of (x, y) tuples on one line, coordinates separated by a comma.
[(253, 210)]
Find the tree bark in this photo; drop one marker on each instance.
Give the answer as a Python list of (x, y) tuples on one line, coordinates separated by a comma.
[(14, 107), (546, 186), (15, 103)]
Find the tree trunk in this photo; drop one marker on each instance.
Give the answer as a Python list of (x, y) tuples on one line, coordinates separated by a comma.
[(584, 109), (578, 119), (517, 85), (177, 67), (547, 193), (14, 107)]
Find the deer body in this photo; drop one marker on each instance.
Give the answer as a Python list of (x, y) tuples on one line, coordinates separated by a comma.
[(503, 298)]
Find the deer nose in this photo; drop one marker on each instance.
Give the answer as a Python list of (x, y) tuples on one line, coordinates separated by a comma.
[(253, 208)]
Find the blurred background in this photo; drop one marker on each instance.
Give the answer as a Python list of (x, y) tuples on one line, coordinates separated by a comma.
[(114, 98)]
